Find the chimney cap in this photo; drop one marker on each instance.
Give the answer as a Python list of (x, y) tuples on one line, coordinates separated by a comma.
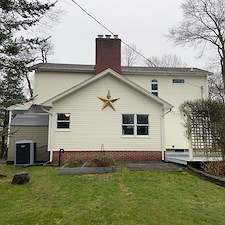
[(108, 36)]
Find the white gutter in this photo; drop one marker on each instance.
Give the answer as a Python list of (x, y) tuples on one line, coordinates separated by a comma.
[(206, 87), (50, 124), (9, 127), (190, 139), (190, 147), (162, 132)]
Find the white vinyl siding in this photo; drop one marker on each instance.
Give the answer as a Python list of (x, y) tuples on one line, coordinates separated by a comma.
[(91, 127), (86, 109), (175, 94), (49, 84)]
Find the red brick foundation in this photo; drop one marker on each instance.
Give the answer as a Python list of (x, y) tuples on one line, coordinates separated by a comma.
[(71, 156)]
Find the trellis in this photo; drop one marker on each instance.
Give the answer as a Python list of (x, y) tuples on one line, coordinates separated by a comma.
[(204, 143)]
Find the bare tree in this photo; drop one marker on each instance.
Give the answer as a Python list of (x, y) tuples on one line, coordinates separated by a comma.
[(130, 55), (44, 50), (167, 60), (216, 88), (203, 24)]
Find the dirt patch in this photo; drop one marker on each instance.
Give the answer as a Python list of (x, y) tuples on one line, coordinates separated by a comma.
[(154, 166)]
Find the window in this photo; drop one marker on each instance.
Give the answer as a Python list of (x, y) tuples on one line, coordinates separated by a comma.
[(154, 87), (135, 124), (178, 81), (128, 124), (63, 121)]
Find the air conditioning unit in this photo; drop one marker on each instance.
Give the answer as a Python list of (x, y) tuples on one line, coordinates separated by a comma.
[(24, 152)]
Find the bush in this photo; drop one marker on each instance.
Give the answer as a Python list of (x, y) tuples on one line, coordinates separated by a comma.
[(99, 161), (216, 168), (79, 161)]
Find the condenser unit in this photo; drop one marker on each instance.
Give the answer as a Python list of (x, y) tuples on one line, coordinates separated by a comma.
[(24, 152)]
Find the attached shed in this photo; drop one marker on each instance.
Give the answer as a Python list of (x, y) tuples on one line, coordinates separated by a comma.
[(30, 126)]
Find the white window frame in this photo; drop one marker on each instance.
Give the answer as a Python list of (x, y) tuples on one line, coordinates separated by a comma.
[(178, 79), (155, 92), (135, 125), (63, 121)]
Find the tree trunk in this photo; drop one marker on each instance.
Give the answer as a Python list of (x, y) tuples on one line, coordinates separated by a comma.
[(2, 147), (5, 132), (223, 70), (29, 86)]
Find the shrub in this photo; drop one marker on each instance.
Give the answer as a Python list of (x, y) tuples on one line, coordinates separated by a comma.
[(216, 168), (79, 161), (99, 161)]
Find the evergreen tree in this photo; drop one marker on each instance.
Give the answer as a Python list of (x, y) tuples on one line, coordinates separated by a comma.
[(11, 93), (16, 51)]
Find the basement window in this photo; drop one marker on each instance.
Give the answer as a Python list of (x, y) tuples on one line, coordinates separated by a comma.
[(63, 120)]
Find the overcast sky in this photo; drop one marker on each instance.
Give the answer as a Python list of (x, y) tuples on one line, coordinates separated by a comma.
[(143, 23)]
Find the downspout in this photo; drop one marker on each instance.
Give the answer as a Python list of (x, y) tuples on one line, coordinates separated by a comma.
[(9, 127), (202, 92), (206, 87), (162, 132), (49, 133)]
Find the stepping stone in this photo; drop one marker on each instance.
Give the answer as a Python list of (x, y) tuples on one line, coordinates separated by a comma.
[(21, 178)]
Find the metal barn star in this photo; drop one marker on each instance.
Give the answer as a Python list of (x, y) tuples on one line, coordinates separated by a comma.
[(108, 101)]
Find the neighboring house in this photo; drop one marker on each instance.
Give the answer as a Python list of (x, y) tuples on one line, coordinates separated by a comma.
[(130, 113)]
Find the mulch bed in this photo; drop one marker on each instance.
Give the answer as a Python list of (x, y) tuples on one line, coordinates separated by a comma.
[(217, 180)]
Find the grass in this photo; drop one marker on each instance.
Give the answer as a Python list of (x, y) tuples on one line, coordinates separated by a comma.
[(122, 197)]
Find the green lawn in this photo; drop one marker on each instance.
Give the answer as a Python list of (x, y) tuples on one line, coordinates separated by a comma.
[(122, 197)]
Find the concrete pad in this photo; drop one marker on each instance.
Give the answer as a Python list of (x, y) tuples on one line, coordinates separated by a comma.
[(154, 166)]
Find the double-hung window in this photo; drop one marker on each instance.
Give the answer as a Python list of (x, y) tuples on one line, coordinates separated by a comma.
[(63, 121), (154, 87), (135, 124)]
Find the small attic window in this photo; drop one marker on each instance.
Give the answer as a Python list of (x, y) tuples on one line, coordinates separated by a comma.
[(178, 81), (63, 120)]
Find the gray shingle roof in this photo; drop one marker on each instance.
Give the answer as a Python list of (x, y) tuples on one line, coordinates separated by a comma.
[(163, 69), (32, 120), (55, 67), (36, 109)]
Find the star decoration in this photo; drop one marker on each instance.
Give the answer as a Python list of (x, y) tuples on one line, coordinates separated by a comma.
[(108, 101)]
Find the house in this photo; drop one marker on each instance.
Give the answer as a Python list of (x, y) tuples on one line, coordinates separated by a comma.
[(130, 113)]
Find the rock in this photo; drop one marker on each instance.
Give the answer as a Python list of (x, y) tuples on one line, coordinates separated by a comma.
[(2, 175), (21, 178)]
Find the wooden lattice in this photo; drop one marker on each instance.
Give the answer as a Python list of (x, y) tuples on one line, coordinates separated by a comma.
[(204, 143)]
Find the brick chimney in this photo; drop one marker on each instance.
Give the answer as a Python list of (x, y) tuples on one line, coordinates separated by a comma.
[(108, 53)]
